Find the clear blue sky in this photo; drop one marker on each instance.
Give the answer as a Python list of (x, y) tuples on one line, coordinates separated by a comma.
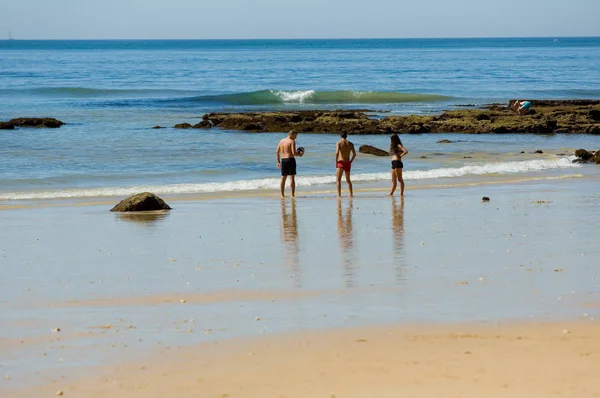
[(213, 19)]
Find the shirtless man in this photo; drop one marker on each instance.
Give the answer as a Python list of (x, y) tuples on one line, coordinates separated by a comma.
[(286, 161), (343, 162)]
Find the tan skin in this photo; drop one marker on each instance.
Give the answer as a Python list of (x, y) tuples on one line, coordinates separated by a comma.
[(286, 149), (344, 150), (397, 173)]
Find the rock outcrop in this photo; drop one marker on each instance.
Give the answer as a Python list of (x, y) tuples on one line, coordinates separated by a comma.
[(547, 117), (371, 150), (584, 156), (32, 122), (144, 201)]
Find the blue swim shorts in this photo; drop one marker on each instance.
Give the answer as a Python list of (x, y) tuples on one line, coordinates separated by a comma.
[(526, 105)]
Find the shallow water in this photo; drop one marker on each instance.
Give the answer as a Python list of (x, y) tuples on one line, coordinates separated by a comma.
[(111, 93)]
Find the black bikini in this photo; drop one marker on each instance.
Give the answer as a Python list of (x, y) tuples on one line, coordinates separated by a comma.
[(397, 164)]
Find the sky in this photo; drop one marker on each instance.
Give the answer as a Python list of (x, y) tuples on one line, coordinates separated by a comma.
[(283, 19)]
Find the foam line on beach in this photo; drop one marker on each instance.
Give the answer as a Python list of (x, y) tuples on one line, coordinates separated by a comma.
[(271, 183)]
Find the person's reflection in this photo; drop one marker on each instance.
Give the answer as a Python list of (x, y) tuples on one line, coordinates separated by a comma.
[(346, 236), (398, 231), (289, 238)]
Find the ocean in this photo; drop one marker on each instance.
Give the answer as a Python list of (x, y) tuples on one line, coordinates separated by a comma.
[(111, 94)]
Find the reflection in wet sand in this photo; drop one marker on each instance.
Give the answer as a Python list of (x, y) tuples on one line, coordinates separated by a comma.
[(143, 217), (346, 236), (289, 238), (398, 232)]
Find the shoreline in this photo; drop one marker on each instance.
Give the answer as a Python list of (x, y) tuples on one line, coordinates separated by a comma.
[(274, 193)]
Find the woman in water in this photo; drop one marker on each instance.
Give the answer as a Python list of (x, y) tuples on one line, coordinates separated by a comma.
[(397, 151)]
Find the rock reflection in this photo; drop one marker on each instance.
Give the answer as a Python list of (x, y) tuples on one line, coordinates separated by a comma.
[(347, 244), (398, 232), (289, 238), (145, 218)]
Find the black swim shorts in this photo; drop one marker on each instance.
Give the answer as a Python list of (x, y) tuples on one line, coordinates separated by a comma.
[(288, 167), (397, 164)]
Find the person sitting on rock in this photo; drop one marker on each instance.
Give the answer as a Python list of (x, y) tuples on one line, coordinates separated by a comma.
[(521, 107)]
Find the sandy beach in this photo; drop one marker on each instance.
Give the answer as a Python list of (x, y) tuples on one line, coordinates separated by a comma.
[(525, 360), (376, 296)]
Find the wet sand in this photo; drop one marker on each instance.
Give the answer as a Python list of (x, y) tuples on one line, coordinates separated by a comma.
[(252, 271)]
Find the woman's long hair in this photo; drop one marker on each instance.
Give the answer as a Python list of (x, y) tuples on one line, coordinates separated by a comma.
[(394, 142)]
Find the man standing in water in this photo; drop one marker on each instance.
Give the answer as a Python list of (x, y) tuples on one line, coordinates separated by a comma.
[(286, 161), (343, 162)]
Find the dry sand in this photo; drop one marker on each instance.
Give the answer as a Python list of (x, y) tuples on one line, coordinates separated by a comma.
[(511, 360)]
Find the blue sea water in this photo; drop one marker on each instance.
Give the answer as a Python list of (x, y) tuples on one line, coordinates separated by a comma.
[(110, 94)]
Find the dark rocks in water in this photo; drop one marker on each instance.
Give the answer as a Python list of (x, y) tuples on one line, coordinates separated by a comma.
[(522, 151), (550, 117), (37, 122), (158, 127), (467, 157), (422, 157), (438, 154), (6, 126), (144, 201), (539, 151), (204, 124), (445, 142), (573, 102), (583, 154), (485, 199), (593, 129), (594, 114), (371, 150), (182, 126)]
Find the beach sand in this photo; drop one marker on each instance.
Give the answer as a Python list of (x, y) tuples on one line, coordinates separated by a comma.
[(524, 360), (95, 296)]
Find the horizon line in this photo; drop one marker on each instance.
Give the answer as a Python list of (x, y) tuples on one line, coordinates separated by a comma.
[(315, 38)]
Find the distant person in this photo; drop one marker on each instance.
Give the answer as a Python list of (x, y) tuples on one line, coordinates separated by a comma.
[(286, 161), (397, 151), (343, 162), (521, 107)]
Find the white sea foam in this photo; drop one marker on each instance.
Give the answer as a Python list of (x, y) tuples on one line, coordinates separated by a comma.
[(306, 181), (294, 96)]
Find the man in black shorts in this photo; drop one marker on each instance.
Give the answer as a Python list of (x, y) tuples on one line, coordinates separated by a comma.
[(286, 161)]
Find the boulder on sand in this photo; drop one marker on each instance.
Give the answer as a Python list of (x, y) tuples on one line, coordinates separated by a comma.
[(144, 201), (371, 150)]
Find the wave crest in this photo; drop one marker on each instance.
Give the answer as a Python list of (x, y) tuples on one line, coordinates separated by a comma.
[(269, 97)]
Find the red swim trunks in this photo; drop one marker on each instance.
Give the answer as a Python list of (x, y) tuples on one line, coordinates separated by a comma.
[(343, 164)]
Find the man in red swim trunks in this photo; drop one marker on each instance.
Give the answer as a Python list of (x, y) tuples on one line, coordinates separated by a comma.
[(343, 149)]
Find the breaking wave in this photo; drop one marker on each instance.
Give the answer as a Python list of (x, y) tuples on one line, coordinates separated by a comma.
[(272, 183), (268, 97)]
